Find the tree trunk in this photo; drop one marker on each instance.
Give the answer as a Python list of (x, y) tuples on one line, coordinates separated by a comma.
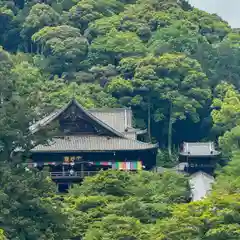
[(1, 98), (149, 120), (170, 131)]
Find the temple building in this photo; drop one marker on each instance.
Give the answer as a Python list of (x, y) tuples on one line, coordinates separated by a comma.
[(198, 156), (199, 160), (91, 140)]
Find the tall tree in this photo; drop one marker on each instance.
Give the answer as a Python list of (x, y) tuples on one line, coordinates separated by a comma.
[(40, 15), (214, 218), (225, 114), (63, 47), (113, 228), (116, 45), (87, 11), (228, 180), (27, 210), (175, 82)]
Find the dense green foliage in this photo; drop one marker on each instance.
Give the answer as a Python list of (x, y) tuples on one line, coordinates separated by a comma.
[(178, 69), (106, 52), (27, 211), (137, 200)]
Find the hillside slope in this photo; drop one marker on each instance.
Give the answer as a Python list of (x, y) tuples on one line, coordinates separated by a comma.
[(159, 56), (115, 53)]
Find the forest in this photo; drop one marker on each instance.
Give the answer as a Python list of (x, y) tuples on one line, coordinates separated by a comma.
[(176, 66)]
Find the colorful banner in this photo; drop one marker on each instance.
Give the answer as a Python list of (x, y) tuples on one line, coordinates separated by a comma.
[(126, 165)]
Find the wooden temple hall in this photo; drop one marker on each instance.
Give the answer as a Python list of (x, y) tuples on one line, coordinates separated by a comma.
[(91, 140), (199, 156)]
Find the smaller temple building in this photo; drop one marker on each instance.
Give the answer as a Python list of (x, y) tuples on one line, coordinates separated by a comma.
[(198, 156), (89, 141), (199, 160)]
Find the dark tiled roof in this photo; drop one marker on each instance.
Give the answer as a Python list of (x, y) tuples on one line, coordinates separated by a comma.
[(118, 122), (53, 116), (92, 143), (118, 119), (199, 149)]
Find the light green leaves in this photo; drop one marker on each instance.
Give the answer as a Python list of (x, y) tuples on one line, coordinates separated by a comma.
[(63, 45), (40, 15)]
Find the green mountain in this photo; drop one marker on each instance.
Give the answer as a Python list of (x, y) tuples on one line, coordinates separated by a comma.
[(165, 56)]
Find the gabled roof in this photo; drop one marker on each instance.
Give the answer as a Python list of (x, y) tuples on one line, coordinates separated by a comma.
[(117, 121), (92, 143), (53, 116), (199, 149)]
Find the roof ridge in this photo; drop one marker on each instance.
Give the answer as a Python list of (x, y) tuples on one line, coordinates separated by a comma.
[(108, 109)]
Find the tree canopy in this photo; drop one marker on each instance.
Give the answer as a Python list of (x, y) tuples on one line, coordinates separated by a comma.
[(116, 47)]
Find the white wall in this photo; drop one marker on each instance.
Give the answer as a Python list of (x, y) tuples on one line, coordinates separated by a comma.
[(201, 185)]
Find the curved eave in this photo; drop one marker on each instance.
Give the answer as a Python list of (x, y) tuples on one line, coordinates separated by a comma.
[(96, 151), (198, 155), (92, 144), (141, 132), (135, 130), (92, 151)]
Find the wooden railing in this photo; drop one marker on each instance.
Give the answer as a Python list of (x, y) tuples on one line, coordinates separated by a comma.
[(76, 175)]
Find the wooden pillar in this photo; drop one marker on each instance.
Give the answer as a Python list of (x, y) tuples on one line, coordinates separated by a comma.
[(82, 170)]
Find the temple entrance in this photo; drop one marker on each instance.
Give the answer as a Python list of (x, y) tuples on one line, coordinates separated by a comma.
[(63, 187)]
